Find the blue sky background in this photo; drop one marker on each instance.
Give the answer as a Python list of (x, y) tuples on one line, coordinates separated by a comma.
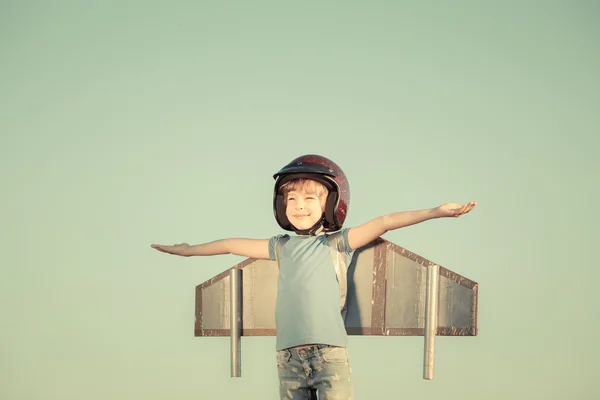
[(129, 123)]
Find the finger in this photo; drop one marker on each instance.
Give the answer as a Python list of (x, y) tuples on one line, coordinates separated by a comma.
[(468, 207), (462, 210), (163, 249)]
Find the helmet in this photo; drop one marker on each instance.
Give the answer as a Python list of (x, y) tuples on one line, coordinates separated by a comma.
[(325, 171)]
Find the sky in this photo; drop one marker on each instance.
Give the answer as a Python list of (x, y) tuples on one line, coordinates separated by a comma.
[(130, 123)]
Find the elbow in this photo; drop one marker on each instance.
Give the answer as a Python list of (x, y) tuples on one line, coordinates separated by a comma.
[(224, 246), (384, 224)]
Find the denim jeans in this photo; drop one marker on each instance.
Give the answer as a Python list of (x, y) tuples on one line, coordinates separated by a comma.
[(316, 369)]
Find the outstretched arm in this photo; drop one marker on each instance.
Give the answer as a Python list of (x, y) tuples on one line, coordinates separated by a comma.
[(253, 248), (366, 233)]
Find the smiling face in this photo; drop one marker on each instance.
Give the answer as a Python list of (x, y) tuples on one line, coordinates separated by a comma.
[(305, 202)]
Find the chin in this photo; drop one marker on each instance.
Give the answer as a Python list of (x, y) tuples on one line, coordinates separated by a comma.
[(302, 226)]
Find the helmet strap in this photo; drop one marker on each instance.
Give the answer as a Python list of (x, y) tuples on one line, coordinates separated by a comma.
[(314, 230)]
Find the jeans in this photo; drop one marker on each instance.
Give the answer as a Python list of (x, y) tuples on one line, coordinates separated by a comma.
[(316, 370)]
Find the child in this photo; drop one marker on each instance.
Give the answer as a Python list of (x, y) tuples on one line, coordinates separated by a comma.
[(311, 198)]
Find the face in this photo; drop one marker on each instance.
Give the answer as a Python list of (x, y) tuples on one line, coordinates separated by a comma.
[(303, 209)]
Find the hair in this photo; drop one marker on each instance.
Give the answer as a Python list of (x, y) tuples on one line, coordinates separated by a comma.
[(307, 185)]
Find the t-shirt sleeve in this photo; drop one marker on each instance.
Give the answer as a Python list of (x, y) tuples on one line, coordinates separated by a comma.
[(272, 244), (347, 248)]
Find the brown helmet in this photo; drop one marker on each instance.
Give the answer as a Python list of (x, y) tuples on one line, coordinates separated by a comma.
[(325, 171)]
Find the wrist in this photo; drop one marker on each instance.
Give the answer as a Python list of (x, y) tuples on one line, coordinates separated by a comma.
[(436, 212)]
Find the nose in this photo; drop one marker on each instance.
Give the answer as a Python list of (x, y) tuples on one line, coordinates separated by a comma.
[(300, 204)]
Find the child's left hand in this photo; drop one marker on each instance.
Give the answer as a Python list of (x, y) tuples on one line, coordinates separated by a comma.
[(454, 209)]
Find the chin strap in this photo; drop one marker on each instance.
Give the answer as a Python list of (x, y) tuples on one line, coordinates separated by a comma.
[(314, 230)]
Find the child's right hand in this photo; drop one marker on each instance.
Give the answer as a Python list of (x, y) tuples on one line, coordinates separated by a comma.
[(178, 249)]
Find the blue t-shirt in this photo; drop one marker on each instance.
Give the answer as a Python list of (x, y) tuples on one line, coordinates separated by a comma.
[(308, 309)]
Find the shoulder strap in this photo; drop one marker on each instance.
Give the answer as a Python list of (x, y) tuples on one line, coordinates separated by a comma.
[(279, 245), (336, 248)]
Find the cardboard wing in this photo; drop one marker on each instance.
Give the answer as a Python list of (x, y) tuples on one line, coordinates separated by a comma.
[(391, 292)]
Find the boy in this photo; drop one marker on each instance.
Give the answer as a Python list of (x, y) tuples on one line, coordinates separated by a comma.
[(311, 198)]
